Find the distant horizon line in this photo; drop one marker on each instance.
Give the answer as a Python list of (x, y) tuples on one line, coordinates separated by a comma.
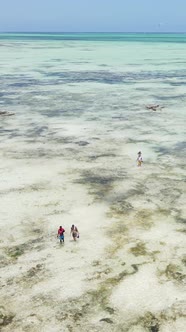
[(105, 32)]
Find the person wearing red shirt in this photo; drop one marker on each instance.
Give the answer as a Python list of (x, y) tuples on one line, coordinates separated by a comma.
[(60, 234)]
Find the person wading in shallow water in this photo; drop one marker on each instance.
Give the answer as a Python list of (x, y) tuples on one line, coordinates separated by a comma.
[(74, 232), (139, 159), (60, 234)]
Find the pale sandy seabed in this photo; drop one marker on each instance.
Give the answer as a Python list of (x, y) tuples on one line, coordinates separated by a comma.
[(68, 156)]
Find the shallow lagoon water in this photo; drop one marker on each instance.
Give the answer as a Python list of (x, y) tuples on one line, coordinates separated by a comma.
[(69, 154)]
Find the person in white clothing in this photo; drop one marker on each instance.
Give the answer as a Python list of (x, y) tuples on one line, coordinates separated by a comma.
[(139, 159)]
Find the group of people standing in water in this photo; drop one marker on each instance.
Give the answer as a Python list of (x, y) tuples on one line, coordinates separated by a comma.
[(73, 231)]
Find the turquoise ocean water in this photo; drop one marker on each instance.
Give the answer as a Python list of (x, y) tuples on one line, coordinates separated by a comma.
[(150, 37)]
